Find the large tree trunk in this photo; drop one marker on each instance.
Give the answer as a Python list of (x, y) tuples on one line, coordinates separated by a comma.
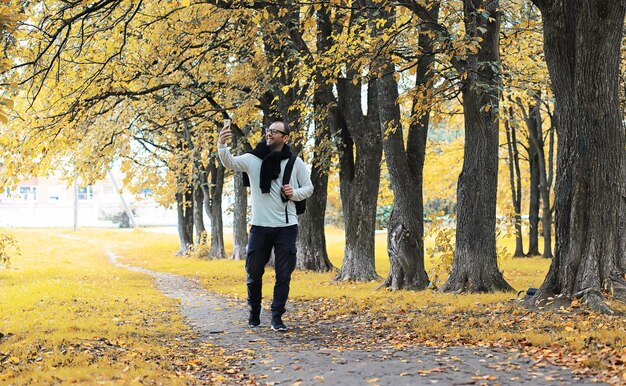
[(622, 211), (405, 230), (198, 218), (359, 180), (240, 211), (282, 41), (515, 180), (540, 178), (184, 206), (546, 216), (537, 142), (533, 209), (311, 240), (582, 46), (240, 206), (475, 265), (213, 206), (406, 225), (312, 252)]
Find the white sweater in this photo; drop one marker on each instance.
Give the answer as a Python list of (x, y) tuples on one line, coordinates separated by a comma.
[(268, 209)]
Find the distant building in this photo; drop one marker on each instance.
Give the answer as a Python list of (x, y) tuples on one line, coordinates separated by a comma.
[(49, 202)]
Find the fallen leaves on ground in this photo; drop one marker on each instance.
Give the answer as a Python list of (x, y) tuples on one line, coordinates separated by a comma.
[(592, 345)]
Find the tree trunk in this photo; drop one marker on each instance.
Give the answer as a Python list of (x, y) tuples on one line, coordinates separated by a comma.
[(240, 211), (286, 45), (406, 225), (541, 177), (582, 46), (213, 206), (515, 181), (198, 219), (475, 265), (546, 216), (622, 211), (359, 178), (533, 210), (312, 252), (405, 230), (537, 142), (281, 45), (240, 206), (184, 205)]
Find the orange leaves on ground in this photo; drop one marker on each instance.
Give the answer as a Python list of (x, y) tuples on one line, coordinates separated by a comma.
[(590, 343)]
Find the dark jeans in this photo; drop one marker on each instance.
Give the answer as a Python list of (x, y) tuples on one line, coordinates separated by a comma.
[(260, 243)]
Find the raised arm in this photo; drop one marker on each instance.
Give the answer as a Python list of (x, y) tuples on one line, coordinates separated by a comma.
[(229, 161)]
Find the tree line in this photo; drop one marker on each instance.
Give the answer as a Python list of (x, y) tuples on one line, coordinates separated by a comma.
[(361, 82)]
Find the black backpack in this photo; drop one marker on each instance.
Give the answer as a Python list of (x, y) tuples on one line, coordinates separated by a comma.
[(528, 294), (300, 205)]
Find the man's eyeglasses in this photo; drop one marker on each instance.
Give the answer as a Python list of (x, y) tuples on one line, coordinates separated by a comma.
[(274, 131)]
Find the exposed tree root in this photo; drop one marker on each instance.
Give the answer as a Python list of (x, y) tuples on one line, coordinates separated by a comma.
[(618, 288), (466, 282), (343, 277), (593, 298), (544, 302), (404, 274), (595, 301)]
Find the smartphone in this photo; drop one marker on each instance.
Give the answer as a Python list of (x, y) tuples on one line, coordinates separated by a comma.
[(227, 123)]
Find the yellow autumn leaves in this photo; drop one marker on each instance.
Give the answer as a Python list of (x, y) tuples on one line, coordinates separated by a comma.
[(8, 20)]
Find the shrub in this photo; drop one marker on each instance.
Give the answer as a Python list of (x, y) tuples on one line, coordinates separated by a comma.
[(383, 213), (441, 253), (120, 218), (8, 247)]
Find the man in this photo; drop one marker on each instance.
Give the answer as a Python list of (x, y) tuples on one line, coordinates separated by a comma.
[(274, 220)]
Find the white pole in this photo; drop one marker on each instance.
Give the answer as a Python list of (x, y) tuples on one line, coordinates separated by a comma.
[(129, 213), (75, 186)]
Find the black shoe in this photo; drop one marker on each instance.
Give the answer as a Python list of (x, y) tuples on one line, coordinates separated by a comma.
[(255, 319), (278, 325)]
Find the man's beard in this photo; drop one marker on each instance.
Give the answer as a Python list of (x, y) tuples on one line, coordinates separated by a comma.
[(274, 146)]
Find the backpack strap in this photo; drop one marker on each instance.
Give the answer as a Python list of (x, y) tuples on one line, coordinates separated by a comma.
[(286, 178), (289, 169)]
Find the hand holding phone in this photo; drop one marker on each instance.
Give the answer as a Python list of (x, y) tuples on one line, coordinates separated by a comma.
[(225, 133)]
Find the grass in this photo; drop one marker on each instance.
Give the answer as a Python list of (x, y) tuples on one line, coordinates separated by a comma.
[(68, 315), (57, 284), (156, 251)]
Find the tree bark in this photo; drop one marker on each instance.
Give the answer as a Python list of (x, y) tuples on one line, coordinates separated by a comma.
[(582, 46), (515, 181), (282, 41), (240, 206), (475, 266), (312, 252), (541, 175), (406, 224), (405, 230), (548, 209), (537, 142), (288, 44), (240, 210), (533, 209), (359, 179), (213, 206), (184, 205), (198, 219), (311, 242)]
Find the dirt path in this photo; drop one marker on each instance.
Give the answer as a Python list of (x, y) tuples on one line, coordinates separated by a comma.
[(307, 354)]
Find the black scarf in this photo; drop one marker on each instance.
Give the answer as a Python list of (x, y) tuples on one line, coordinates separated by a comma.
[(270, 167)]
